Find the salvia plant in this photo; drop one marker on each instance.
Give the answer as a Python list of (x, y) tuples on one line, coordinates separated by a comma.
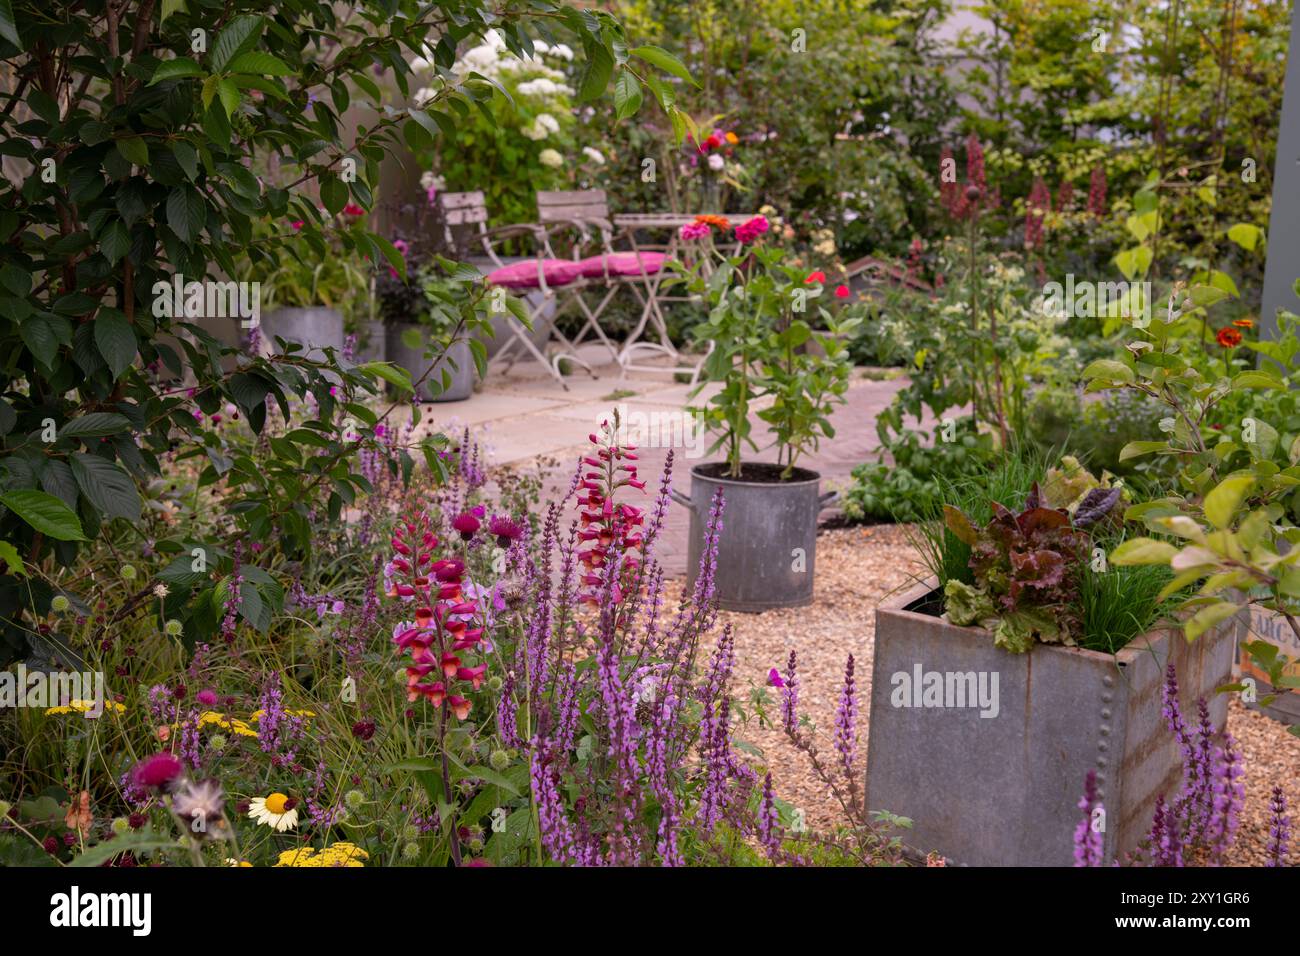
[(1199, 824)]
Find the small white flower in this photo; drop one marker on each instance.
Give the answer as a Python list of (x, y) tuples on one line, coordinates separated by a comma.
[(534, 131), (716, 162), (422, 96), (594, 155), (562, 51), (549, 157), (549, 122)]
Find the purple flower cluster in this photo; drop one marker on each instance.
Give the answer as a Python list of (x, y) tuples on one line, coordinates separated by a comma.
[(1279, 829), (846, 722), (1087, 839)]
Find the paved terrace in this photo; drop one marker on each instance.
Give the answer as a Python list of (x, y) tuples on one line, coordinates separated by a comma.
[(524, 416)]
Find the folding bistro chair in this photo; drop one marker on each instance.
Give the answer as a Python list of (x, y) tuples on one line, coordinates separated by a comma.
[(587, 211), (544, 273)]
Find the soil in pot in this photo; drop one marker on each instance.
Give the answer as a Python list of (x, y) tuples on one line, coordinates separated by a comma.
[(755, 473)]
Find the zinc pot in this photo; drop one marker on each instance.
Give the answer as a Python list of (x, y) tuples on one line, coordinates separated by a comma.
[(316, 328), (767, 548), (372, 345), (987, 751), (458, 362)]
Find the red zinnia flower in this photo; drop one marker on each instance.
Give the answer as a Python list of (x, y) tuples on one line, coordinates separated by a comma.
[(841, 292), (1228, 338), (818, 276)]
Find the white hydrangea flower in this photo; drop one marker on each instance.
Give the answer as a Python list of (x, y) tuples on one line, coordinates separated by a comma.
[(550, 157), (594, 155), (430, 180), (534, 131), (548, 122)]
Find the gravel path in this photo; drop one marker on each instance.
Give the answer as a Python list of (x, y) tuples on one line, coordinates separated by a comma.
[(856, 569)]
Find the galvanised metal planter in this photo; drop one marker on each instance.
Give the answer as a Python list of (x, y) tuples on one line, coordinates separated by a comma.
[(415, 363), (315, 328), (768, 546), (1003, 789)]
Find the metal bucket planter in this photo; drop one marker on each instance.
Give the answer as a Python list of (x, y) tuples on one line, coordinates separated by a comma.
[(768, 546), (415, 363), (316, 328), (1003, 789)]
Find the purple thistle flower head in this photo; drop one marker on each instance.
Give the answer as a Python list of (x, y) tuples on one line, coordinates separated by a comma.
[(506, 530)]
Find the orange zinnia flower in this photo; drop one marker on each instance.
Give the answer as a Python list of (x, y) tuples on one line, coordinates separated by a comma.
[(1228, 338), (1244, 323), (732, 138), (717, 222)]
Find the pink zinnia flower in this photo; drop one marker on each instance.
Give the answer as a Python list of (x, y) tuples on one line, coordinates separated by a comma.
[(694, 230), (353, 210), (749, 231), (841, 292)]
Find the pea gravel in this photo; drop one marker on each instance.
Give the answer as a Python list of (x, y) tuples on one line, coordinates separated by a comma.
[(856, 569)]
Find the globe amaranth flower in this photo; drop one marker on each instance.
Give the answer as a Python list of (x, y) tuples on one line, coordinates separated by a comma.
[(506, 529)]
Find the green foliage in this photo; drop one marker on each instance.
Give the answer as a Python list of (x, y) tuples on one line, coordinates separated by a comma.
[(764, 349), (158, 148)]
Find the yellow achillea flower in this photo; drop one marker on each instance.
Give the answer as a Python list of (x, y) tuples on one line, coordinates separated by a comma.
[(256, 716), (233, 724), (336, 854), (81, 706)]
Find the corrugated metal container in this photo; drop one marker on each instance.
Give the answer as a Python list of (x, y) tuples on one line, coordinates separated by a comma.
[(1003, 789)]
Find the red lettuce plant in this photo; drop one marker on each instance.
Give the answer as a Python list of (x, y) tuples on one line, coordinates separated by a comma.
[(1027, 569)]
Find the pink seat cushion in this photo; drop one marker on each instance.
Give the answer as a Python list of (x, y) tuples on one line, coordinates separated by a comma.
[(622, 264), (523, 275)]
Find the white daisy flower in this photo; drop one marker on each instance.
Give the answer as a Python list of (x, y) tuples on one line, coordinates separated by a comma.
[(276, 811)]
